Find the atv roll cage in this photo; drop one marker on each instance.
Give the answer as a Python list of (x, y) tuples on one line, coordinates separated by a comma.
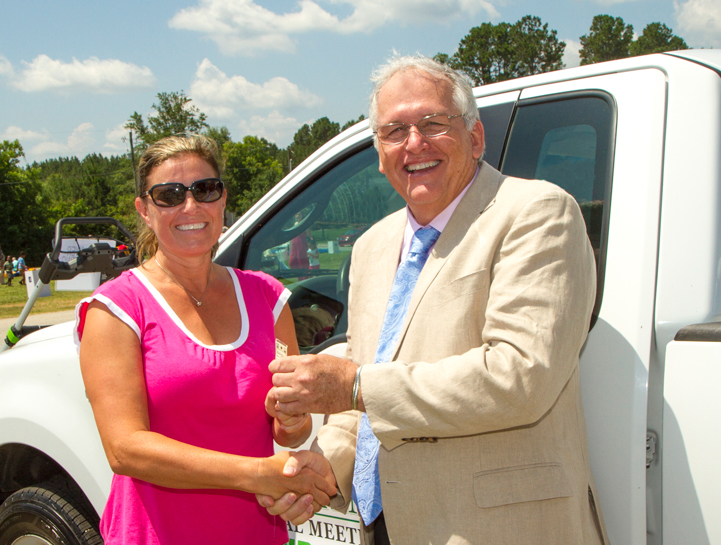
[(100, 257)]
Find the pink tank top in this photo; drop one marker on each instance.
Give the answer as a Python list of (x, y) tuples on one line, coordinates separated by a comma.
[(209, 396)]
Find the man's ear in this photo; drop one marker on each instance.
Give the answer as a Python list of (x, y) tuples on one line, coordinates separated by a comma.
[(478, 139)]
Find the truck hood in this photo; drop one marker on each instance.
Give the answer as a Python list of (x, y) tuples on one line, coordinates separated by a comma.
[(48, 333)]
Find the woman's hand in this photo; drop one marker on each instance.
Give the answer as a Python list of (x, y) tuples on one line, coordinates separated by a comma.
[(291, 423), (294, 507), (289, 430), (300, 473)]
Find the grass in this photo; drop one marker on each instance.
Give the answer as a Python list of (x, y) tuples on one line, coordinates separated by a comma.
[(13, 299), (332, 261)]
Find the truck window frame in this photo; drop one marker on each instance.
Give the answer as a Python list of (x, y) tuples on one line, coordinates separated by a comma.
[(605, 128)]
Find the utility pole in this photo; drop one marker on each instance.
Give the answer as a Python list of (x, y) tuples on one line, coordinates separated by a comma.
[(132, 158)]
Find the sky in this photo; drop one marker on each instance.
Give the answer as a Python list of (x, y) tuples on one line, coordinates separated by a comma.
[(72, 73)]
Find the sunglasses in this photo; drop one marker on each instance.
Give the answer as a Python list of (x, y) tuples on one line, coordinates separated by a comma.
[(173, 193)]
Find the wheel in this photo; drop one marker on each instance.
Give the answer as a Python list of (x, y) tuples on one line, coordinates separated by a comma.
[(52, 513)]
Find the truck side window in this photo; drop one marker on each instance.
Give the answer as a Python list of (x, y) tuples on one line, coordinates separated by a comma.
[(495, 119), (568, 140), (307, 243)]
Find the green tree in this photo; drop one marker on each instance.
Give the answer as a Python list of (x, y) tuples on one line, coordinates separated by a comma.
[(490, 53), (94, 186), (221, 135), (23, 220), (252, 168), (656, 38), (175, 115), (609, 38), (309, 138), (352, 122)]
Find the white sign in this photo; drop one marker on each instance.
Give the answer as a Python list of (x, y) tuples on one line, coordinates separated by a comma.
[(327, 527)]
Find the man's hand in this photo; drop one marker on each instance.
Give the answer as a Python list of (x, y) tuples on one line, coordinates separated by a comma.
[(314, 383), (290, 507)]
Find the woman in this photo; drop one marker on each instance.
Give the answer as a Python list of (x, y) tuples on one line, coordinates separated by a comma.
[(174, 355)]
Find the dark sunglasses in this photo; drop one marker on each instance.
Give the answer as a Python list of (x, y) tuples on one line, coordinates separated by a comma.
[(173, 193)]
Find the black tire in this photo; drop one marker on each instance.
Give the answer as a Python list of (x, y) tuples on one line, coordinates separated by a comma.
[(52, 513)]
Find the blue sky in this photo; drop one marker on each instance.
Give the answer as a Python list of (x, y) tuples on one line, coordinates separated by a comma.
[(71, 73)]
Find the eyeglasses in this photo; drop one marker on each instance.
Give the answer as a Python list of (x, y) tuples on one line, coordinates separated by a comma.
[(430, 126), (173, 193)]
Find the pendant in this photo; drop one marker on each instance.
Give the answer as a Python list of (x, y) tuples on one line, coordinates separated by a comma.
[(199, 303)]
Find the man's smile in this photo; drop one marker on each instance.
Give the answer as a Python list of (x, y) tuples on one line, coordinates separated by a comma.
[(422, 166)]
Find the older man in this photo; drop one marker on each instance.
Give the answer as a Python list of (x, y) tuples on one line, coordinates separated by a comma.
[(468, 311)]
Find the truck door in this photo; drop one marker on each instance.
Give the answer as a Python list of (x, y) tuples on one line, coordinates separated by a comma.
[(585, 135)]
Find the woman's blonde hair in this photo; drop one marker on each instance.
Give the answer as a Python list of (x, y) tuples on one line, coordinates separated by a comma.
[(159, 152)]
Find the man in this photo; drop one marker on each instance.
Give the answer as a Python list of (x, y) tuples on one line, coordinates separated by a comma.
[(8, 268), (477, 402), (2, 264), (21, 268)]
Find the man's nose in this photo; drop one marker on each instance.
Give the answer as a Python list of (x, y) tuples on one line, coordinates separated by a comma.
[(416, 139)]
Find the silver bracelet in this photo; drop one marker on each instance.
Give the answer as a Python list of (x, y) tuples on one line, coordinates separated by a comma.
[(356, 387)]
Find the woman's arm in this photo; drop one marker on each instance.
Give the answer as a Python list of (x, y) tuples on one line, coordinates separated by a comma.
[(288, 430), (111, 364)]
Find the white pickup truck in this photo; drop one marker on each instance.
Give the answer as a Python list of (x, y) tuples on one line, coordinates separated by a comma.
[(637, 142)]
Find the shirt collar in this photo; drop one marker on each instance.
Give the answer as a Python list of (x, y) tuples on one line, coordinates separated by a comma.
[(439, 222)]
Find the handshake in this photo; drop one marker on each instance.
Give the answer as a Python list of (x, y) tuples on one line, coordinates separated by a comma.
[(320, 384)]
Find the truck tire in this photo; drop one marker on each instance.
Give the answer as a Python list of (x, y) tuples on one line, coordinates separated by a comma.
[(52, 513)]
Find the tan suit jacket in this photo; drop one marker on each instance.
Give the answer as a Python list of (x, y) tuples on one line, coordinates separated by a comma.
[(479, 414)]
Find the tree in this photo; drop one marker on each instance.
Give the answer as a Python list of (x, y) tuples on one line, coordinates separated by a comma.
[(175, 115), (609, 38), (309, 138), (221, 135), (94, 186), (490, 53), (23, 220), (352, 122), (442, 58), (656, 38), (251, 170)]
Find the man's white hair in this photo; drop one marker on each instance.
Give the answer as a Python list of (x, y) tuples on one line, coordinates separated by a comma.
[(462, 91)]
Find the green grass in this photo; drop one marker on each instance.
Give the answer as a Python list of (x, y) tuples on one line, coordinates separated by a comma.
[(13, 299), (332, 261)]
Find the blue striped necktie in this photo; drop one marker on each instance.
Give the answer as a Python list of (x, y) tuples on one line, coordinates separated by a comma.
[(366, 480)]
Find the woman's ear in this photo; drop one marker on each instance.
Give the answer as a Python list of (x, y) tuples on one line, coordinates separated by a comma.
[(142, 209)]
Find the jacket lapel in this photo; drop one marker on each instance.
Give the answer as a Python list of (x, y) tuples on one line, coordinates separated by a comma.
[(380, 270), (478, 199)]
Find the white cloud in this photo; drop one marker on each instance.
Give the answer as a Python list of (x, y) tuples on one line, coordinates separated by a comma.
[(16, 133), (243, 27), (79, 143), (6, 69), (219, 95), (92, 74), (699, 22), (612, 2), (115, 139), (274, 128), (571, 57)]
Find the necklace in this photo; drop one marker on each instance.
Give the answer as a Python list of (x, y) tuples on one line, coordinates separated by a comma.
[(197, 303)]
